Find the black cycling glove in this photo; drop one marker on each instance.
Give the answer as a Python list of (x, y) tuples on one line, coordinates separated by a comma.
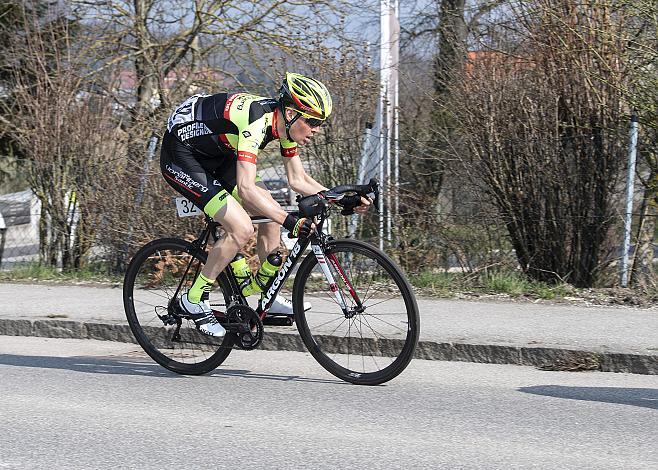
[(298, 227), (348, 203)]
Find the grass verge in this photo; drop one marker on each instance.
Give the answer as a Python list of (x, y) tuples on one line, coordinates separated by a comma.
[(96, 273)]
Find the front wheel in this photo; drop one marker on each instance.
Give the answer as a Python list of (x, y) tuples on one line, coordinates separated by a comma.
[(157, 275), (374, 338)]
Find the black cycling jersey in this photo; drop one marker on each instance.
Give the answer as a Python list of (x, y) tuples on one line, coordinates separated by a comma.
[(207, 135), (228, 124)]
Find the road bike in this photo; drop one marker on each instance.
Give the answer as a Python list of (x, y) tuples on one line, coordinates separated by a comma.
[(363, 324)]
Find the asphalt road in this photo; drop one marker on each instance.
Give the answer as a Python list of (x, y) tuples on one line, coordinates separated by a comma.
[(86, 404)]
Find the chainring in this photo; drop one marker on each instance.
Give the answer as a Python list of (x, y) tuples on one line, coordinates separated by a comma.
[(246, 325)]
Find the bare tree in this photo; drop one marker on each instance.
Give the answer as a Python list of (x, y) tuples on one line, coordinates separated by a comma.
[(64, 134), (431, 229), (544, 122), (172, 49)]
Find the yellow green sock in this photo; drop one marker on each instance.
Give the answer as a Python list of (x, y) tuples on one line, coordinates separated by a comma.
[(201, 284)]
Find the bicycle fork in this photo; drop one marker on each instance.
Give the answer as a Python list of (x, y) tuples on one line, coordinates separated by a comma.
[(333, 285)]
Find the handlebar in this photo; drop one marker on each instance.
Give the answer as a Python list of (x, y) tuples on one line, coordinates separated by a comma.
[(348, 196), (366, 190)]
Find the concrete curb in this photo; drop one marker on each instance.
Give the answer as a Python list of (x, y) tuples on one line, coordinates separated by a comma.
[(544, 358)]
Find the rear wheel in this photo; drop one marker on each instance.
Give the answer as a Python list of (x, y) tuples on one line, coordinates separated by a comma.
[(375, 339), (151, 285)]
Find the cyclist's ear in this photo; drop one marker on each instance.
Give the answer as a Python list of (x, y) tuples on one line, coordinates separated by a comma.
[(290, 113)]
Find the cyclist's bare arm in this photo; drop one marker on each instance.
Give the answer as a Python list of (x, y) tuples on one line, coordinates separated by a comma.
[(300, 181), (256, 198)]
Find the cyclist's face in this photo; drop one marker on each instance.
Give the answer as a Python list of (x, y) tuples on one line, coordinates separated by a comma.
[(302, 131)]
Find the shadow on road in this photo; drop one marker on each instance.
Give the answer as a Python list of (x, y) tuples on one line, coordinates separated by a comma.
[(644, 397), (88, 365), (293, 378), (125, 366)]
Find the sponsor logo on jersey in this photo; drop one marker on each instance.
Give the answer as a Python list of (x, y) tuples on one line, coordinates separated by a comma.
[(190, 131), (184, 113), (241, 101)]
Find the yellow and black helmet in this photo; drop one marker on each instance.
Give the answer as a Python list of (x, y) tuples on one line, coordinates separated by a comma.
[(307, 96)]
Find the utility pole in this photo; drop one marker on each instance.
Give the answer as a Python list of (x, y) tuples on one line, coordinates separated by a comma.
[(388, 106), (630, 181), (384, 69)]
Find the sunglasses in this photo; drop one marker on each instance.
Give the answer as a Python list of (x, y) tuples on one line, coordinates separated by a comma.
[(313, 122)]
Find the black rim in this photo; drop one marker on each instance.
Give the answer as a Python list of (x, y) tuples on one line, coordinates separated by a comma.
[(151, 284), (375, 341)]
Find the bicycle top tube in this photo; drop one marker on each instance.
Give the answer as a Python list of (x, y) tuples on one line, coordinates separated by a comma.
[(255, 219)]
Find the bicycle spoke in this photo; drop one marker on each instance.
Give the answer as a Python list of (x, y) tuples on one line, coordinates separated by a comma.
[(341, 324), (368, 345), (147, 303), (383, 321), (330, 321), (155, 281), (374, 332)]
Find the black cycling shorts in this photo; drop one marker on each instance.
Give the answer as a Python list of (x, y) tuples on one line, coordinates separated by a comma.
[(206, 181)]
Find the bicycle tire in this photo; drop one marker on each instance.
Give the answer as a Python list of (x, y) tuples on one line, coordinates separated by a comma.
[(146, 285), (315, 325)]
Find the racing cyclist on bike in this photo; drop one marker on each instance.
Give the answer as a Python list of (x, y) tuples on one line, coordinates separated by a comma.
[(209, 155)]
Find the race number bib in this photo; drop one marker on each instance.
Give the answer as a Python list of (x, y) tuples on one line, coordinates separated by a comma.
[(186, 208)]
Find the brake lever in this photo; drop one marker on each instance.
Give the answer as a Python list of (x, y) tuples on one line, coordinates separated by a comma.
[(374, 193)]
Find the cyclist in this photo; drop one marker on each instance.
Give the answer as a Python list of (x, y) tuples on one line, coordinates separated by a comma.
[(209, 155)]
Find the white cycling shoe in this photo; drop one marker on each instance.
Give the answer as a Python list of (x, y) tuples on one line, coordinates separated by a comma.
[(283, 306), (202, 316)]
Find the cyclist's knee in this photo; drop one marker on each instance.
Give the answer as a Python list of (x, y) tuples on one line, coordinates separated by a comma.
[(242, 233)]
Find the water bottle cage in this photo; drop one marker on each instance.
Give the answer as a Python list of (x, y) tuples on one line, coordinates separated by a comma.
[(243, 281), (264, 287), (259, 283)]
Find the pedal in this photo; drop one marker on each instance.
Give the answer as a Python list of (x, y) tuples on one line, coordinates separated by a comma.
[(286, 320)]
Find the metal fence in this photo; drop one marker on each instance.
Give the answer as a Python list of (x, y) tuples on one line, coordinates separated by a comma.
[(20, 219), (19, 228), (458, 240)]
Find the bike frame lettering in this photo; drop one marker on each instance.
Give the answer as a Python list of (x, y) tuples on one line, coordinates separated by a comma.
[(283, 273)]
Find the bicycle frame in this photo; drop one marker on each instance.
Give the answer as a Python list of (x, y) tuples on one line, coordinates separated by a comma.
[(317, 241)]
